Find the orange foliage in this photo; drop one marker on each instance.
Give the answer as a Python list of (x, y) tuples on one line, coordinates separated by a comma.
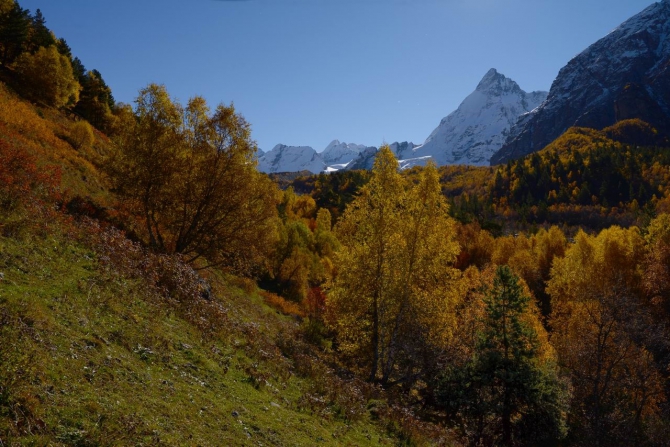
[(282, 305), (315, 304), (43, 134), (27, 192)]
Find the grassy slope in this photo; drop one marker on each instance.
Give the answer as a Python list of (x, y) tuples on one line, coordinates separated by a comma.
[(89, 356), (91, 360)]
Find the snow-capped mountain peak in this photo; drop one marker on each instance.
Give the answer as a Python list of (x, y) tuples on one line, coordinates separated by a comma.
[(495, 83), (477, 129), (284, 158)]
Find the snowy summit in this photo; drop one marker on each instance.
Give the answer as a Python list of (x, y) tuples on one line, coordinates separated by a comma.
[(477, 129)]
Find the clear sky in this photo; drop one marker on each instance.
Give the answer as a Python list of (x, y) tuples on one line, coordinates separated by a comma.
[(305, 72)]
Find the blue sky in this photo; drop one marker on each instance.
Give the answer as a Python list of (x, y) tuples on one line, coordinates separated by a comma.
[(305, 72)]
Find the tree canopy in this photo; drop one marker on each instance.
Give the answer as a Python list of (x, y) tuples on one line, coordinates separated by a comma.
[(189, 176), (393, 271), (47, 77)]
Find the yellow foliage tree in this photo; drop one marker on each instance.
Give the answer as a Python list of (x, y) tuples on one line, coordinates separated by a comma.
[(190, 178), (81, 135), (599, 327), (47, 77), (394, 271)]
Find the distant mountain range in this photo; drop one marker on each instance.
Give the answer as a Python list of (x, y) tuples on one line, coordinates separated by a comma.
[(284, 158), (624, 75), (469, 135)]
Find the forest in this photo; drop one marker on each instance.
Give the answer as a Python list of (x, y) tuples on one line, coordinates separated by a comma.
[(522, 304)]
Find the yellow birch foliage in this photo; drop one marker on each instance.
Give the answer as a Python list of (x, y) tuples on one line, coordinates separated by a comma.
[(392, 293), (47, 77), (598, 321)]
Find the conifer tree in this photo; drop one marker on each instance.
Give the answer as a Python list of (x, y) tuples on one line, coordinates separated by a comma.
[(14, 30), (40, 35), (96, 101), (507, 394)]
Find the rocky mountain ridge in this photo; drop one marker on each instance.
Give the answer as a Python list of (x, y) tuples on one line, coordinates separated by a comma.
[(478, 127), (626, 74)]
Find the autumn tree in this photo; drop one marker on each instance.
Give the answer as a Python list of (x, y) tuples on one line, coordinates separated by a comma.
[(363, 288), (325, 240), (190, 175), (96, 101), (656, 279), (47, 77), (81, 135), (302, 257), (393, 271), (296, 261), (509, 392), (603, 333), (421, 318)]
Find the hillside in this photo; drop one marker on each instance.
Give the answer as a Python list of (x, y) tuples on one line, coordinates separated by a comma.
[(585, 178), (113, 342), (105, 343), (157, 289), (99, 357)]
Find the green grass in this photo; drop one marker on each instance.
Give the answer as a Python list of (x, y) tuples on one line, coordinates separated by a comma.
[(92, 358)]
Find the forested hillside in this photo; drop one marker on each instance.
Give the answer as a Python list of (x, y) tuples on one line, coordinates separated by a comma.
[(155, 288)]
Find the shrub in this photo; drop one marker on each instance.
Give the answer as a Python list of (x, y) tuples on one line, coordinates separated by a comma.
[(282, 305), (81, 135), (22, 183)]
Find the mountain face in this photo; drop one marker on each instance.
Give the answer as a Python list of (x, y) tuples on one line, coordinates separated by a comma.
[(469, 135), (626, 74), (259, 153), (284, 158), (404, 152), (477, 129), (340, 153)]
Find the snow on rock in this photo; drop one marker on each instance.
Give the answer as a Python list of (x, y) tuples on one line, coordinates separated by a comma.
[(402, 151), (478, 127), (259, 153), (626, 74), (340, 153), (284, 158)]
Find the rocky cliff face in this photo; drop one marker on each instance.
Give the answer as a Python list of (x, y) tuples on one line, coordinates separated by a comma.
[(477, 129), (626, 74)]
